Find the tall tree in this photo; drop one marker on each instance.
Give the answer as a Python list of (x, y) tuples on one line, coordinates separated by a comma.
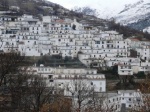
[(80, 91)]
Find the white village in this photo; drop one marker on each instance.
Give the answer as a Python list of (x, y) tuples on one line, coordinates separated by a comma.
[(95, 48)]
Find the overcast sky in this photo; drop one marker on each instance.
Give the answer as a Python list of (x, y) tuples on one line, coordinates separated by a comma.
[(107, 8), (112, 4)]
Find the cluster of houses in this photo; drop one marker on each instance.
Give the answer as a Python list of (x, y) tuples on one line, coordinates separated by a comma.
[(69, 38), (69, 81)]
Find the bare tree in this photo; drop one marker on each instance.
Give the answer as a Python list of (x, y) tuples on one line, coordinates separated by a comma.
[(80, 91), (17, 85), (86, 10), (99, 103), (59, 104), (12, 80), (9, 64), (144, 99), (21, 89), (38, 94)]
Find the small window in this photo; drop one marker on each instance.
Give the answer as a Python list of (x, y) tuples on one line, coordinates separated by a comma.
[(50, 76), (51, 81)]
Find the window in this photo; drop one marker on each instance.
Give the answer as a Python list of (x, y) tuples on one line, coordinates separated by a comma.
[(97, 42), (50, 80), (129, 99), (91, 83), (100, 89), (50, 76)]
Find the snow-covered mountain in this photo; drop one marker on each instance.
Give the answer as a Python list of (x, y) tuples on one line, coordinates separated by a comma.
[(135, 15)]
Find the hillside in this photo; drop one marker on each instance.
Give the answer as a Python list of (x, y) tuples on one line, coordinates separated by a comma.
[(136, 16), (43, 7), (34, 7)]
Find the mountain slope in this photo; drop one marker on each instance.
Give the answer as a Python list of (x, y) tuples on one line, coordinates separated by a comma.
[(136, 16), (34, 7)]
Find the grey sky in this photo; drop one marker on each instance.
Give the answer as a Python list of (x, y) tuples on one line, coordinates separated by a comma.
[(99, 4), (106, 8)]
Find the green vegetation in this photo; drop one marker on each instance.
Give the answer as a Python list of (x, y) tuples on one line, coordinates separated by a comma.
[(140, 75), (55, 61)]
